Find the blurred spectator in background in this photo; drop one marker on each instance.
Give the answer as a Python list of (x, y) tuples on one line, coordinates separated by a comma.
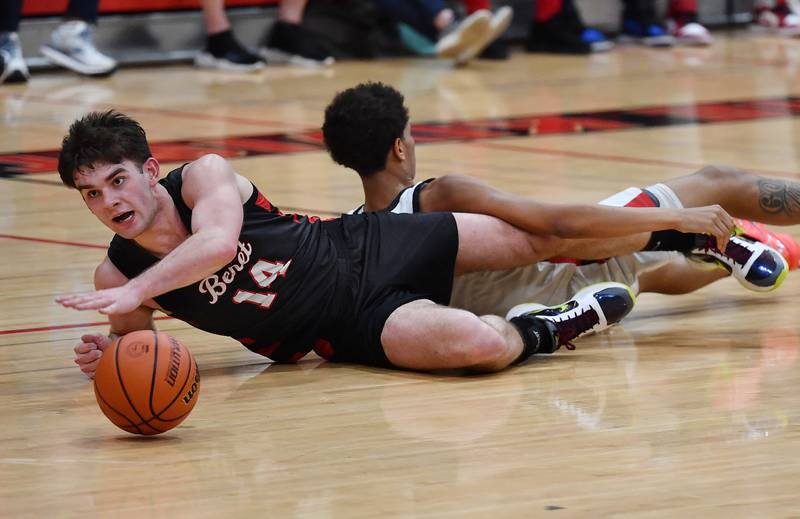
[(778, 16), (70, 44), (287, 41), (557, 27), (429, 27), (223, 50), (682, 24)]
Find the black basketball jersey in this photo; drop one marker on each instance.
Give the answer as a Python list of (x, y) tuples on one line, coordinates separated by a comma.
[(272, 297)]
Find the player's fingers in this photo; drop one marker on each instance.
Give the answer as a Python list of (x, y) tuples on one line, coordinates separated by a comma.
[(88, 357), (723, 235), (92, 304), (85, 347), (71, 299), (89, 369)]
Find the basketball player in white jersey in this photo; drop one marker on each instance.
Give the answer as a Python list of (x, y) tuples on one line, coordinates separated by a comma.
[(367, 129)]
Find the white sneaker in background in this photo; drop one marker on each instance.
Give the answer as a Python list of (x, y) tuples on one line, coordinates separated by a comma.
[(71, 46), (12, 64), (498, 24), (465, 35), (693, 33)]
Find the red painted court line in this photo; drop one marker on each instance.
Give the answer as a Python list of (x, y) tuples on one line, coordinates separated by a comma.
[(65, 326), (614, 158), (56, 242)]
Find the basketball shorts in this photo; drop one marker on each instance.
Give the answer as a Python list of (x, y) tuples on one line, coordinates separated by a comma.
[(391, 259), (553, 283)]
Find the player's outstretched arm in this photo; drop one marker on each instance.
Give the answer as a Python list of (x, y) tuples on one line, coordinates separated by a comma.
[(461, 193), (92, 345), (211, 189)]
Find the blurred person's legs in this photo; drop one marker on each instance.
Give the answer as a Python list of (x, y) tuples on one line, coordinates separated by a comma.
[(288, 42), (71, 44), (435, 21), (682, 23), (12, 64), (641, 24), (777, 16), (557, 27), (222, 49)]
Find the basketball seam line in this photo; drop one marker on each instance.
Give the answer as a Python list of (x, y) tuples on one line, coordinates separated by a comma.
[(125, 391)]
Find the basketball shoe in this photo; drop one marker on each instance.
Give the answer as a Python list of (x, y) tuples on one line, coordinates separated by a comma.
[(12, 64), (754, 264), (689, 33), (498, 24), (462, 38), (223, 51), (783, 243), (592, 309), (644, 32), (292, 44), (71, 46)]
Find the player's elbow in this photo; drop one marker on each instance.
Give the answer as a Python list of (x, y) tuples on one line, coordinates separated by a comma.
[(223, 249)]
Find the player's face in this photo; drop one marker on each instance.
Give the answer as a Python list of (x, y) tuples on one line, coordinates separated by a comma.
[(411, 157), (122, 196)]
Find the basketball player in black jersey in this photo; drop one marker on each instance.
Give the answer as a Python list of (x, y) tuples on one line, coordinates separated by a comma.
[(367, 129), (204, 245)]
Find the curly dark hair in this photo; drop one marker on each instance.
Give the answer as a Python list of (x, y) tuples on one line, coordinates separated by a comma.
[(361, 125), (101, 137)]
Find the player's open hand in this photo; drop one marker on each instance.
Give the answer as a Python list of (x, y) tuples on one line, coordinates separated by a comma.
[(117, 300), (710, 219), (89, 351)]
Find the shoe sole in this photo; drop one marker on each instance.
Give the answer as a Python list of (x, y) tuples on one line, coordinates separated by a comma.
[(472, 30), (498, 24), (279, 57), (650, 41), (59, 58), (206, 60)]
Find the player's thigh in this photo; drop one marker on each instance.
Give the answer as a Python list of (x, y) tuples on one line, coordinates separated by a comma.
[(488, 243)]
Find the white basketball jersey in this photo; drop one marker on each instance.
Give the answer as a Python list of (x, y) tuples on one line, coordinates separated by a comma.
[(406, 202)]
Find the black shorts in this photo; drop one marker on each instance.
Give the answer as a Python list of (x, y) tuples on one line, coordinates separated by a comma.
[(388, 260)]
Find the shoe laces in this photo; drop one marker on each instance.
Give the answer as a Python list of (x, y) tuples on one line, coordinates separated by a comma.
[(572, 326)]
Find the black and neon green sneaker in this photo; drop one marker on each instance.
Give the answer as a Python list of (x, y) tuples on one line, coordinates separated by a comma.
[(591, 310)]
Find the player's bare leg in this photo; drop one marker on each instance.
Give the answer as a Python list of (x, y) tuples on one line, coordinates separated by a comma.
[(678, 276), (424, 336), (742, 194)]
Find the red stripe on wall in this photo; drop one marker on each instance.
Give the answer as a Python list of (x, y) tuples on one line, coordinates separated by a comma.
[(57, 7)]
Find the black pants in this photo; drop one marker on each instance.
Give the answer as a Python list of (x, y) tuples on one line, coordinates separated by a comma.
[(11, 12)]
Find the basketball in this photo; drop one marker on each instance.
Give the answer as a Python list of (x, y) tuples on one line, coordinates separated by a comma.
[(146, 382)]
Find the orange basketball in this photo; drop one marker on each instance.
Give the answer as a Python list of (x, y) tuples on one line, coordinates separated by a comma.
[(146, 382)]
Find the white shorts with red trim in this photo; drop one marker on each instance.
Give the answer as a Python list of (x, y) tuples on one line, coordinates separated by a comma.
[(554, 283)]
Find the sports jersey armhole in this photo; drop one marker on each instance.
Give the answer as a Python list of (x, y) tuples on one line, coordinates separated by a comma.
[(417, 190)]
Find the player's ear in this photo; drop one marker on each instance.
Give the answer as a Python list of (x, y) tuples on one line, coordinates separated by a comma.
[(151, 169), (399, 149)]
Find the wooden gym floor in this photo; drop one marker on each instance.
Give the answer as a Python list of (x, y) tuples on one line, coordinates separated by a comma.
[(688, 409)]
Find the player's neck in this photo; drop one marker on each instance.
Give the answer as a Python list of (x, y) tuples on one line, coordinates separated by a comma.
[(167, 230), (382, 188)]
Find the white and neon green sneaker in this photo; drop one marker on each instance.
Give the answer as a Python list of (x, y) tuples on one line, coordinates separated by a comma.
[(591, 310)]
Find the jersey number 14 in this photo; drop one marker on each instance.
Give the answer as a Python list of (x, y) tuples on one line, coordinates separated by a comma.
[(264, 273)]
